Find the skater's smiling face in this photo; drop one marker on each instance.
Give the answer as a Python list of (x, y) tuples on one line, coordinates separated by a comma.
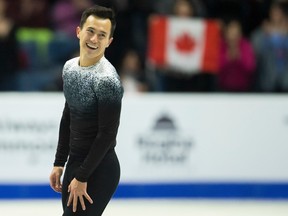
[(94, 37)]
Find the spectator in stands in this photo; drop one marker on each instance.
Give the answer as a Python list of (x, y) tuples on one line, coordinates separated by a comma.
[(180, 7), (169, 80), (139, 11), (65, 15), (237, 59), (9, 55), (30, 13), (271, 45), (132, 73)]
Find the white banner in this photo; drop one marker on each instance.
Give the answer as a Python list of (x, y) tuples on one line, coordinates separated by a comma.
[(162, 137), (29, 126), (204, 138)]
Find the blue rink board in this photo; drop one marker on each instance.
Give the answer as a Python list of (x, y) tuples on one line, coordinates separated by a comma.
[(193, 190)]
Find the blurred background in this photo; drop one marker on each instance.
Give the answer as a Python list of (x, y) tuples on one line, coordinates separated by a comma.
[(205, 111), (38, 36)]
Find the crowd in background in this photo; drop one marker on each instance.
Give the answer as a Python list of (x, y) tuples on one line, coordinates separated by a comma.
[(38, 36)]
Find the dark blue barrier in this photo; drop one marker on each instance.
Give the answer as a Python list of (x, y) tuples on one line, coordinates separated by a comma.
[(193, 190)]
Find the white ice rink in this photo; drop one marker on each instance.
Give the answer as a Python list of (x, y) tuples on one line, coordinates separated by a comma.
[(148, 207)]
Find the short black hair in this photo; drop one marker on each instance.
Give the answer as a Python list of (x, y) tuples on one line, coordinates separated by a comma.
[(101, 12)]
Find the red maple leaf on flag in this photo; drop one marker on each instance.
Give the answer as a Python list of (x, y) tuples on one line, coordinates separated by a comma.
[(185, 43)]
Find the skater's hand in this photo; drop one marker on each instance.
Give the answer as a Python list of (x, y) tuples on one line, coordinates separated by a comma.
[(78, 190), (55, 181)]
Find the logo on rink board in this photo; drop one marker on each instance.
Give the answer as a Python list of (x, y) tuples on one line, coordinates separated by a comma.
[(28, 139), (165, 143)]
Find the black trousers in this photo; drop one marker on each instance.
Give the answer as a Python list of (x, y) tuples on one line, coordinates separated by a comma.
[(101, 185)]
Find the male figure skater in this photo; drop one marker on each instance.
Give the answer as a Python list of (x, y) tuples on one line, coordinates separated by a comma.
[(90, 120)]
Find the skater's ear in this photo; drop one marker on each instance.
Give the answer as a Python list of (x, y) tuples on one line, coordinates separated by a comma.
[(78, 30)]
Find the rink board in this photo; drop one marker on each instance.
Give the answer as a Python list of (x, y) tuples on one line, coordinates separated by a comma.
[(169, 145)]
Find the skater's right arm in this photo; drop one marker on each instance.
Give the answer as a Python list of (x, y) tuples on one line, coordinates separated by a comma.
[(62, 150), (55, 179)]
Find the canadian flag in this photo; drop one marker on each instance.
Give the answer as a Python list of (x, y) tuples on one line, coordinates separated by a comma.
[(187, 45)]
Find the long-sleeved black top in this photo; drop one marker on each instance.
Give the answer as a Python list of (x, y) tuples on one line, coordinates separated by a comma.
[(91, 115)]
